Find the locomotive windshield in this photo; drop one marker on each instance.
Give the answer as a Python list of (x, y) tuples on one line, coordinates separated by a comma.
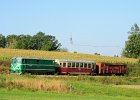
[(15, 61)]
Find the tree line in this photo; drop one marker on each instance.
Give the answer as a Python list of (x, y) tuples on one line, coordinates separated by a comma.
[(40, 41)]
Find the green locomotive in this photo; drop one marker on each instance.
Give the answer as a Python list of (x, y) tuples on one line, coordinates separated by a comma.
[(33, 65)]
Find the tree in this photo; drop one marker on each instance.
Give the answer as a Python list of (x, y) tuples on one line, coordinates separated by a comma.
[(11, 41), (50, 43), (63, 50), (2, 41), (37, 41), (23, 42), (132, 45), (96, 53), (40, 41)]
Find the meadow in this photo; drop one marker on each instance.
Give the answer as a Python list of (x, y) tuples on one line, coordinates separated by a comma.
[(14, 87)]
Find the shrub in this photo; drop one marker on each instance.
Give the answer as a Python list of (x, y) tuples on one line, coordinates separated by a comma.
[(4, 67), (2, 81)]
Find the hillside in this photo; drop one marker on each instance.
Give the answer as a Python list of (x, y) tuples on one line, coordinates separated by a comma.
[(7, 54)]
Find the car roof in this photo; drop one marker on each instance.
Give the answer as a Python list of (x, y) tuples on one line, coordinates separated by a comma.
[(31, 58), (80, 61)]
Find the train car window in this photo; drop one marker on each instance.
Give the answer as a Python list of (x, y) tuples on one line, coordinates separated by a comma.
[(73, 64), (85, 65), (89, 65), (60, 63), (124, 66), (69, 64), (81, 65), (77, 65), (93, 65), (64, 64)]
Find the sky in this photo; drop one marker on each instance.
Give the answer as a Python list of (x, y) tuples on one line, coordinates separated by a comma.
[(95, 26)]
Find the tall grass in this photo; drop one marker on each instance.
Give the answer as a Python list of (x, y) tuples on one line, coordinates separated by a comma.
[(33, 84)]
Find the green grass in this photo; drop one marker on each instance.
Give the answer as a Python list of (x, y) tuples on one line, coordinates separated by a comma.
[(39, 95), (81, 88)]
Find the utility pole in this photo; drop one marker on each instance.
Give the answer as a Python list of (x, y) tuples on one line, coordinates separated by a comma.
[(71, 43)]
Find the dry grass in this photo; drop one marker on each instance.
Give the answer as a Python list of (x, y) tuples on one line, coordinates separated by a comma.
[(128, 86), (7, 54), (35, 85), (4, 67)]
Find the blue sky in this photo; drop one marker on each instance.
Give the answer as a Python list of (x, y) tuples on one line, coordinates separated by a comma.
[(95, 25)]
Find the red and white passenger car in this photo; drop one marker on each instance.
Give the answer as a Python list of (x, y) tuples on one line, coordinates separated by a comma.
[(75, 67)]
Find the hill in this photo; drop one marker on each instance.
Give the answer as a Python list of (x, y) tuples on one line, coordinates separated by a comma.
[(7, 54)]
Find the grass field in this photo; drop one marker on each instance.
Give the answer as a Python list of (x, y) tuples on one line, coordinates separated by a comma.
[(28, 95), (14, 87)]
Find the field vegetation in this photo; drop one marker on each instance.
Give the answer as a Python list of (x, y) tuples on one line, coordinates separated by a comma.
[(7, 54), (69, 87), (15, 87)]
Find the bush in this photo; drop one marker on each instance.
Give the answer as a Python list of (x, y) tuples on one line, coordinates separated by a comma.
[(4, 67), (2, 81), (134, 71)]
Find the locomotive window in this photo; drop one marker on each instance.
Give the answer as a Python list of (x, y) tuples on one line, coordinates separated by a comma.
[(26, 61), (89, 65), (81, 65), (85, 65), (69, 64), (23, 61), (77, 65), (61, 64), (29, 61), (73, 64), (37, 61), (14, 61), (64, 64), (18, 61)]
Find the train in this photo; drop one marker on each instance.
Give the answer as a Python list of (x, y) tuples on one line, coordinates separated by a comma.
[(24, 65)]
